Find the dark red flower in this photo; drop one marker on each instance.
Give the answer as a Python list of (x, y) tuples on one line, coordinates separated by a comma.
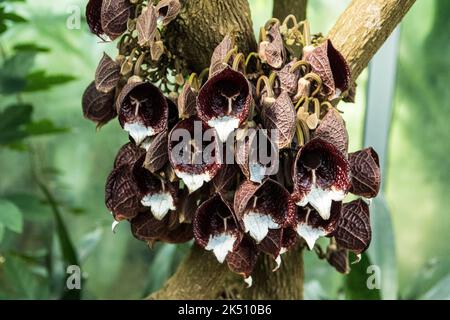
[(224, 101), (353, 231), (320, 176), (216, 227), (262, 207), (192, 152), (142, 109), (365, 173), (311, 226)]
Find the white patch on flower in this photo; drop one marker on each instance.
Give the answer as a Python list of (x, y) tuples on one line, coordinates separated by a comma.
[(114, 226), (138, 131), (159, 203), (258, 225), (358, 259), (278, 262), (146, 143), (193, 181), (224, 126), (321, 200), (248, 281), (257, 172), (310, 234), (221, 244)]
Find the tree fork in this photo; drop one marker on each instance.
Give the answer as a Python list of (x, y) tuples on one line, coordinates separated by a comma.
[(358, 34), (202, 25)]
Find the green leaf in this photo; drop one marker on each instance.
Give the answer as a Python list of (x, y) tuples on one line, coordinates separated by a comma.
[(382, 247), (356, 282), (14, 17), (14, 71), (441, 291), (39, 80), (10, 216), (2, 232), (12, 120), (32, 207), (31, 47), (43, 127), (21, 281)]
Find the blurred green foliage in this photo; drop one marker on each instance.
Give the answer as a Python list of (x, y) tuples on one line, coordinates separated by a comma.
[(54, 163)]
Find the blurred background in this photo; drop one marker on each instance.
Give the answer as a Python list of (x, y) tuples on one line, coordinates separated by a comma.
[(53, 165)]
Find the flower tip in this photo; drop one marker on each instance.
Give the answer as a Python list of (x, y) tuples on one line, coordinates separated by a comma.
[(248, 281), (114, 226)]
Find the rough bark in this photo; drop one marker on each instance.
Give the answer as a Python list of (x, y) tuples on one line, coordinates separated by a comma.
[(285, 283), (202, 24), (363, 27), (358, 34), (283, 8), (198, 277)]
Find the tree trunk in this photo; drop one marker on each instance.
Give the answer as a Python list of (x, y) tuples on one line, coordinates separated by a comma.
[(363, 28), (202, 25), (283, 284), (283, 8), (358, 34)]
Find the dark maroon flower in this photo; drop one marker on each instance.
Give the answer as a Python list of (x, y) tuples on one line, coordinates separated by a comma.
[(262, 207), (122, 194), (332, 68), (280, 116), (146, 227), (187, 102), (129, 153), (353, 231), (220, 54), (289, 80), (157, 155), (338, 258), (93, 16), (98, 106), (168, 10), (216, 227), (154, 192), (224, 101), (365, 173), (142, 109), (107, 75), (192, 152), (311, 226), (332, 129), (255, 162), (272, 50), (114, 17), (277, 242), (243, 259), (320, 176), (225, 179)]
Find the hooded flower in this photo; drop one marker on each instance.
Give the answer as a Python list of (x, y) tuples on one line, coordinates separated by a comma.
[(216, 227), (224, 101), (98, 106), (332, 68), (192, 153), (108, 17), (277, 242), (142, 109), (243, 260), (262, 207), (353, 231), (311, 226), (154, 192), (320, 175)]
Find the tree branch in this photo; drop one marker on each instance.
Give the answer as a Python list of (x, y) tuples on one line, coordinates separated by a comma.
[(363, 28), (283, 8), (358, 34)]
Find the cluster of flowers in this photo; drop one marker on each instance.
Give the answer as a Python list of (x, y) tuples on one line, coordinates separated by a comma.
[(237, 211)]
